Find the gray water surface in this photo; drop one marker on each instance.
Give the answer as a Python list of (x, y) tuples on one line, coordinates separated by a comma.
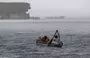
[(22, 45), (18, 40)]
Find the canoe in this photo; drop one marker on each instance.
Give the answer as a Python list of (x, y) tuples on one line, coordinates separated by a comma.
[(50, 45)]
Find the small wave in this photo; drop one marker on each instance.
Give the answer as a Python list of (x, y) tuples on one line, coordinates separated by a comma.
[(74, 53)]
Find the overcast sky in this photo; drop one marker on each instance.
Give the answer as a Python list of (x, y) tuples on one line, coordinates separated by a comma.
[(58, 7)]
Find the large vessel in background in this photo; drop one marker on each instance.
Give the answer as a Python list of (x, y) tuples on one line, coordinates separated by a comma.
[(14, 10)]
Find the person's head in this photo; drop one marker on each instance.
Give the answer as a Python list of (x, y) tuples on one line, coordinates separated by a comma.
[(56, 30), (45, 37)]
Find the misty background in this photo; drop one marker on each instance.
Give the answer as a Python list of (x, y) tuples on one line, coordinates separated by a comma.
[(75, 10), (68, 8)]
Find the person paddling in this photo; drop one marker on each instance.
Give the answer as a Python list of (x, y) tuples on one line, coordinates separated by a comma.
[(51, 42), (44, 39), (56, 36)]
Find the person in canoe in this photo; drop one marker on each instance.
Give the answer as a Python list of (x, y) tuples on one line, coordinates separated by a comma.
[(44, 39), (56, 38), (54, 41)]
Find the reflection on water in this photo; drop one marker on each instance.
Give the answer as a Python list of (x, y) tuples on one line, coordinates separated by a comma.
[(22, 45)]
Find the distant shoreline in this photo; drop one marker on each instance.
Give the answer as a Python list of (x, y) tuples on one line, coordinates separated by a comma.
[(47, 20)]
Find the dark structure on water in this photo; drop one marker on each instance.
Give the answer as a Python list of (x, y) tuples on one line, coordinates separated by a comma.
[(14, 10)]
